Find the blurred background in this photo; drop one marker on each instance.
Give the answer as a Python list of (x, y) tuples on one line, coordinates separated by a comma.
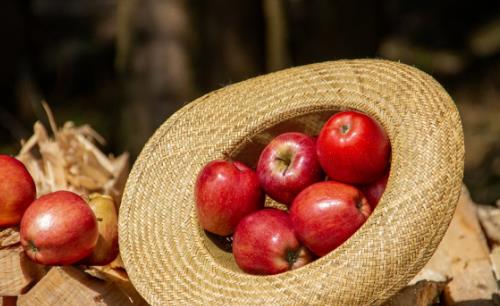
[(125, 66)]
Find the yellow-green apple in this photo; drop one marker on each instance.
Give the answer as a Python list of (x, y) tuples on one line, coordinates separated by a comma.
[(17, 190), (59, 228), (326, 214), (287, 165), (265, 243), (353, 148), (226, 192), (106, 248), (373, 192)]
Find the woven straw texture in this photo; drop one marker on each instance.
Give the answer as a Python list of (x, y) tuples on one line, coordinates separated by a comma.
[(171, 261)]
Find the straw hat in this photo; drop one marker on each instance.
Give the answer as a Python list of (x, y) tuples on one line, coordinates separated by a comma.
[(170, 260)]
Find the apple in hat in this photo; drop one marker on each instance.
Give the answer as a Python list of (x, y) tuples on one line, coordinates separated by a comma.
[(265, 243), (373, 192), (226, 192), (353, 148), (287, 165), (326, 214)]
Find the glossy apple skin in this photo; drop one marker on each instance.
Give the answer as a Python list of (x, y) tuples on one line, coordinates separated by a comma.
[(287, 165), (106, 248), (226, 192), (326, 214), (265, 243), (17, 190), (59, 228), (373, 192), (353, 148)]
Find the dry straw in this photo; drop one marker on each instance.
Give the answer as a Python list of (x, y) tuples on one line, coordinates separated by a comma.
[(170, 260)]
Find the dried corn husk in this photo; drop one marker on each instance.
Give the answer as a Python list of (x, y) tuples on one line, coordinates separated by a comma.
[(71, 160)]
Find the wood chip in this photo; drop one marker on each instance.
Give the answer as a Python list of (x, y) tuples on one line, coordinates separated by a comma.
[(489, 217), (429, 275), (495, 261), (9, 237)]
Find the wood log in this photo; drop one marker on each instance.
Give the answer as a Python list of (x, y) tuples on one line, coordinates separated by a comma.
[(70, 286)]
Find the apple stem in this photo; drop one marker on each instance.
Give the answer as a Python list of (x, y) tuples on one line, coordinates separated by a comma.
[(32, 246), (286, 162), (345, 128), (227, 156), (359, 202), (284, 171), (292, 256)]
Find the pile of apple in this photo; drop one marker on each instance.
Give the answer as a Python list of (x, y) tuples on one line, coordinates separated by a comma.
[(353, 151), (59, 228)]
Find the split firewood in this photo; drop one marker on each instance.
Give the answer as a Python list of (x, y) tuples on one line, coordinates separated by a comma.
[(115, 272), (17, 272), (463, 256), (460, 270), (70, 286), (119, 277)]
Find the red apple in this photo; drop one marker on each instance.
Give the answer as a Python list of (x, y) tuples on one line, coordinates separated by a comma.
[(106, 248), (374, 191), (287, 165), (59, 229), (353, 148), (17, 190), (226, 192), (265, 243), (326, 214)]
